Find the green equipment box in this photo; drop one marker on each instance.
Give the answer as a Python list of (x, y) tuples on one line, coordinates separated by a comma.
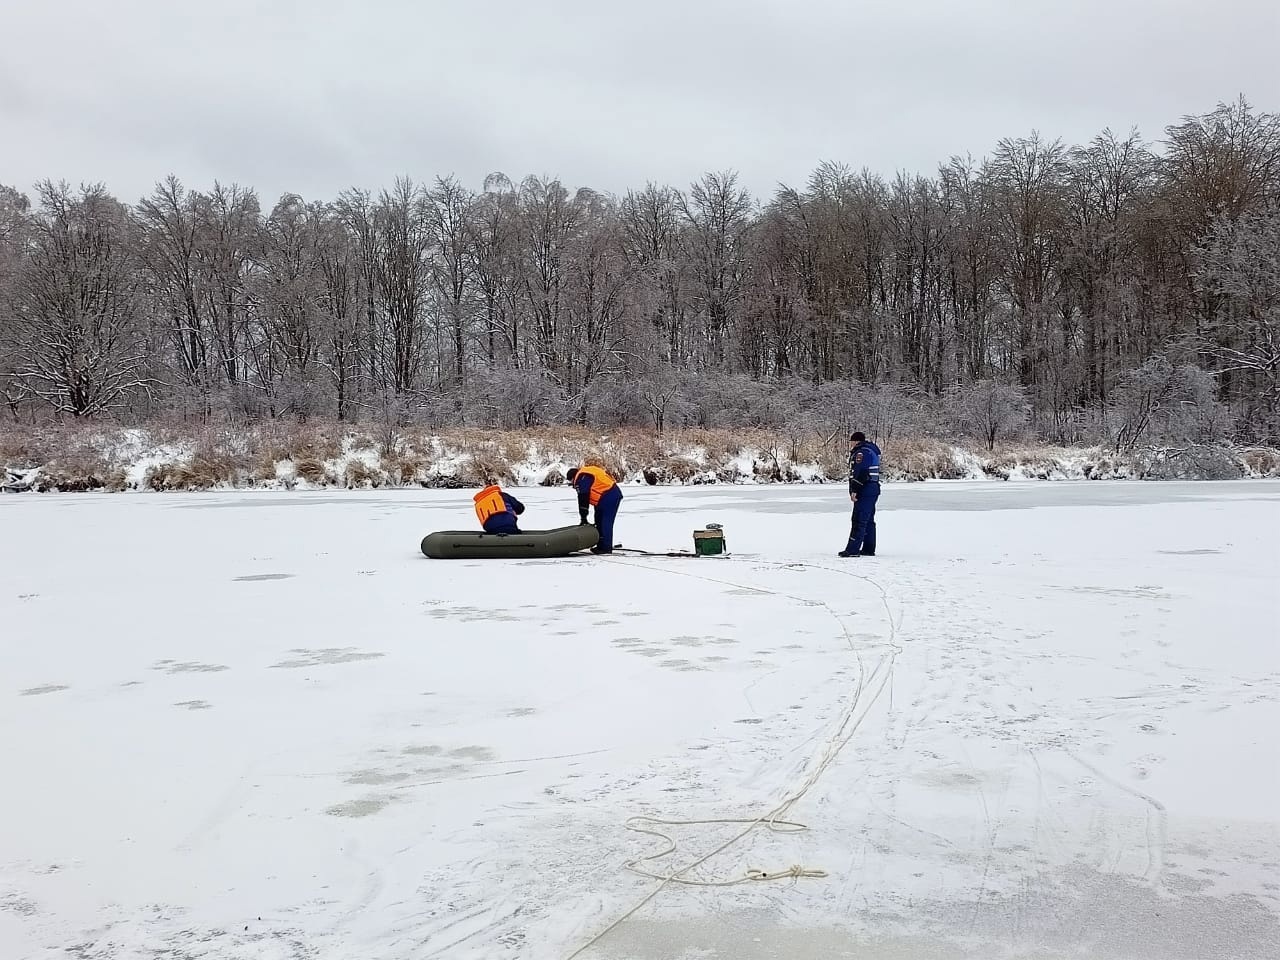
[(709, 542)]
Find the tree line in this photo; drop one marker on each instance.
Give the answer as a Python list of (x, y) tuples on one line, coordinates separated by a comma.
[(1048, 280)]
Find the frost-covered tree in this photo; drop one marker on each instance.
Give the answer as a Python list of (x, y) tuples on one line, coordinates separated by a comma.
[(1162, 401), (449, 210), (402, 239), (989, 409), (717, 226), (1240, 267), (14, 224), (78, 341)]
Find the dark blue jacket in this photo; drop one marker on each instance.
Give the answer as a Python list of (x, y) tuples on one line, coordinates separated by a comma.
[(864, 468), (505, 522)]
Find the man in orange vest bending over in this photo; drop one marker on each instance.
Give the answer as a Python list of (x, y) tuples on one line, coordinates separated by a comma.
[(597, 488), (497, 511)]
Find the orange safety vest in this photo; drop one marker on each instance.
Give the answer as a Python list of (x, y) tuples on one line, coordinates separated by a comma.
[(489, 502), (601, 482)]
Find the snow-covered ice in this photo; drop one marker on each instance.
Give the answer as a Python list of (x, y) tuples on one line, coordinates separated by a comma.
[(262, 725)]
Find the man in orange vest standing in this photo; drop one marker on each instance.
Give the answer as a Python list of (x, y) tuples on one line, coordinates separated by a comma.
[(497, 510), (596, 488)]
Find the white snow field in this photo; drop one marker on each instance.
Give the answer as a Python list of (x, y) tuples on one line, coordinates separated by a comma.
[(1043, 722)]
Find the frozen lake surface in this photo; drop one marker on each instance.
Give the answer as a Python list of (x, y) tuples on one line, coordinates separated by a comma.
[(1042, 723)]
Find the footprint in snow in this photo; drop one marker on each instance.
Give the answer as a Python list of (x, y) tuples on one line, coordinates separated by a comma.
[(483, 754), (47, 688), (687, 641), (328, 655), (189, 666), (365, 807)]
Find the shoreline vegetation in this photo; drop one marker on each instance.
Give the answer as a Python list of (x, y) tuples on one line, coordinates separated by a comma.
[(318, 455)]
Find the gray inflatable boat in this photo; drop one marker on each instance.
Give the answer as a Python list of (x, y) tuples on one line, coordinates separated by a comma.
[(476, 544)]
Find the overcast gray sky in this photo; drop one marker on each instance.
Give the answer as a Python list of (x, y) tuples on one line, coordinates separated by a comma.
[(314, 96)]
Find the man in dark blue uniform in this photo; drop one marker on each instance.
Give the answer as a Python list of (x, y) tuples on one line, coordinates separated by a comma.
[(864, 491)]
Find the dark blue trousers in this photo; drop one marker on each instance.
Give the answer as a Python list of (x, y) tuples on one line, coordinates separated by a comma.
[(606, 513), (502, 523), (862, 531)]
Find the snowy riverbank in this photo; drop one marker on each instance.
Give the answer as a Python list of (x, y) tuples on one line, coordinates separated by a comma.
[(280, 456)]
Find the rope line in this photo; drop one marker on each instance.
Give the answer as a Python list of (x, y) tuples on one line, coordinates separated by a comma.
[(850, 720)]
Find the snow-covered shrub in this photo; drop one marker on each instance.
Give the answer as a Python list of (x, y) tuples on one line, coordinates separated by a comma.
[(1160, 402), (1193, 462)]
